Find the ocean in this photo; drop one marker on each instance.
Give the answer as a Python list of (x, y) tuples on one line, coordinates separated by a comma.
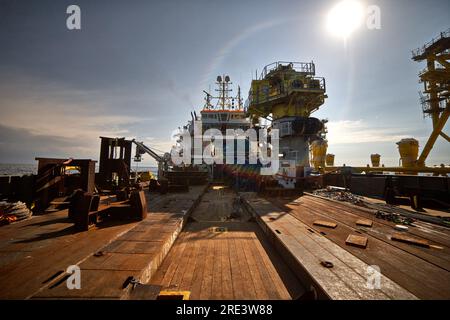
[(16, 169), (10, 169)]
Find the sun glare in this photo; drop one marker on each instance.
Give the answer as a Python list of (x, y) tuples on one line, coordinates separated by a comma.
[(344, 18)]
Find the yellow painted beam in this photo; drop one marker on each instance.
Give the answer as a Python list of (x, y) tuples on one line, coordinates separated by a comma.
[(446, 137), (436, 170), (432, 139)]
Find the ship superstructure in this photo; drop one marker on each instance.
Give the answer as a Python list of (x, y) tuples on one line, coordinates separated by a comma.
[(224, 111), (286, 94)]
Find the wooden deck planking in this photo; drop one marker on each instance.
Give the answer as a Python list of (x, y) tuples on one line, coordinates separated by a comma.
[(207, 280), (440, 257), (282, 290), (249, 291), (227, 283), (433, 233), (227, 265), (33, 250), (414, 273), (344, 282)]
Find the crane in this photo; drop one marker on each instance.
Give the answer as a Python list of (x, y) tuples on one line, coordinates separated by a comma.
[(163, 161)]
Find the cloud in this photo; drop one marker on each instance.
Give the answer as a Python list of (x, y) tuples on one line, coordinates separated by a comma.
[(22, 146), (359, 131), (48, 119)]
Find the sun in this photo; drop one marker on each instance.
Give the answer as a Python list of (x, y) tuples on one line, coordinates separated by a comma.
[(344, 18)]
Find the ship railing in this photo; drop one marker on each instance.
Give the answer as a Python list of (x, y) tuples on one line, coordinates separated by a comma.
[(308, 68)]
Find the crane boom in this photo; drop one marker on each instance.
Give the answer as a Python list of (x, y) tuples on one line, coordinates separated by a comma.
[(162, 161)]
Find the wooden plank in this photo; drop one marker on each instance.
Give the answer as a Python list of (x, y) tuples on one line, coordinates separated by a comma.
[(173, 265), (304, 251), (199, 269), (261, 292), (410, 240), (364, 222), (117, 261), (406, 269), (281, 275), (433, 233), (347, 277), (390, 288), (227, 283), (206, 288), (239, 288), (120, 246), (250, 289), (357, 241), (216, 292), (326, 224), (267, 280), (183, 262), (186, 281), (379, 231), (94, 283), (158, 278)]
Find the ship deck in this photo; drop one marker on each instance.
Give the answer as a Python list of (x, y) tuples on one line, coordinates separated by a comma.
[(421, 268), (214, 243), (223, 254)]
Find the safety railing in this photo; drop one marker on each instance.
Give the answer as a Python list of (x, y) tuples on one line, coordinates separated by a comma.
[(303, 67), (421, 50)]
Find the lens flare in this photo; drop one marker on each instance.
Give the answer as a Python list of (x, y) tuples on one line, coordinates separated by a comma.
[(344, 18)]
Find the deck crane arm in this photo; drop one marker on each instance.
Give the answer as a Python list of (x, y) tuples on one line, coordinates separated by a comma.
[(162, 160)]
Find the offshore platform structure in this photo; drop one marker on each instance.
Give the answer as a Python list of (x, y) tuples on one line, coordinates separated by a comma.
[(436, 95), (286, 94)]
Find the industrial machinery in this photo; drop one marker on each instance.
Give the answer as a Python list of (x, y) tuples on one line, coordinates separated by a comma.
[(436, 80), (287, 93), (163, 161), (115, 162)]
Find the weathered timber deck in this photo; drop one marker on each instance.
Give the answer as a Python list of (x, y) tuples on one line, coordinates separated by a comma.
[(32, 252), (423, 271), (238, 263), (305, 248)]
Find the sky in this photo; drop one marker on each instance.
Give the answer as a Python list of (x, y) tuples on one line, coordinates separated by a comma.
[(137, 69)]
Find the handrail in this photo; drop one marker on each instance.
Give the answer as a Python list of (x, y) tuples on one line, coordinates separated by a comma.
[(421, 50), (304, 67)]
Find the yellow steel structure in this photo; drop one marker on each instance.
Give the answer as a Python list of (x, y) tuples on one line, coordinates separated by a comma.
[(286, 89), (287, 93), (329, 159), (318, 153), (375, 160), (409, 150), (441, 170), (436, 93)]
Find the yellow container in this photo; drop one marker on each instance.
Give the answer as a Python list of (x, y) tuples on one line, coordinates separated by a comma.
[(318, 152), (146, 176), (375, 160), (409, 151), (329, 159)]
